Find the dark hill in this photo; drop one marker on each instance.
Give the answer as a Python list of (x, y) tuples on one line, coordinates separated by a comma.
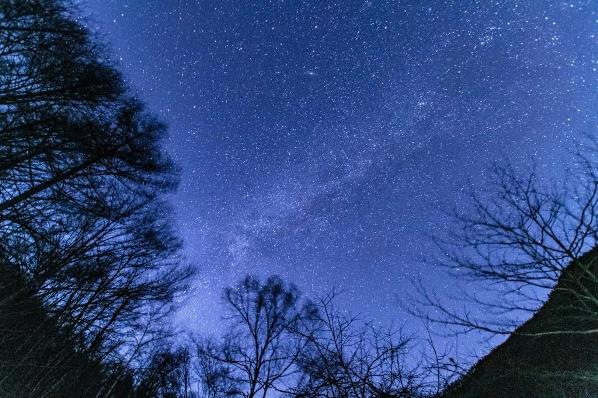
[(37, 358), (553, 354)]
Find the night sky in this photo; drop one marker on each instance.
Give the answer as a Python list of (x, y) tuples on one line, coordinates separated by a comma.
[(322, 141)]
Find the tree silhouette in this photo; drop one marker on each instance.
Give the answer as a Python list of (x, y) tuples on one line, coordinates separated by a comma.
[(168, 375), (345, 359), (259, 350), (525, 239), (81, 181), (536, 246)]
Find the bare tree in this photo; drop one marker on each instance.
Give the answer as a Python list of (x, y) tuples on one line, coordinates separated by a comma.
[(168, 375), (343, 358), (215, 377), (525, 257), (259, 350), (82, 175), (525, 239)]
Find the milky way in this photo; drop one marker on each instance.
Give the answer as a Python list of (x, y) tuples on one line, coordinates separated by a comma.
[(323, 141)]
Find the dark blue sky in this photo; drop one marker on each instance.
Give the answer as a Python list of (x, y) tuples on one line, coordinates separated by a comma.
[(321, 140)]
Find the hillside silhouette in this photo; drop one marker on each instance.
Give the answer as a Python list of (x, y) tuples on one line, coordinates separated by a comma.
[(553, 354)]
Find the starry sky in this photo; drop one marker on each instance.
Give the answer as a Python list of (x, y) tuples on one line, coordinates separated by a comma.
[(323, 140)]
